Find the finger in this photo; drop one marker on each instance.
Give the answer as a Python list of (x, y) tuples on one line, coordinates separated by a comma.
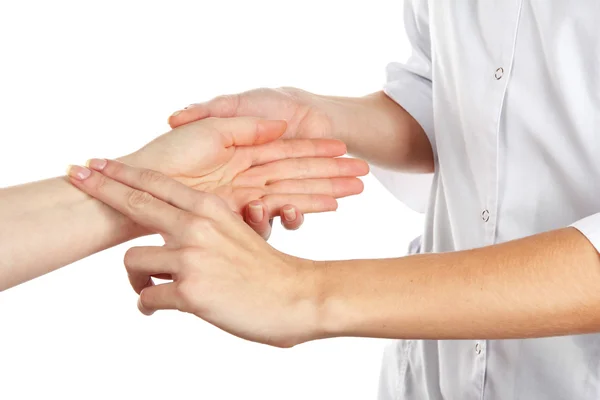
[(248, 131), (307, 168), (142, 263), (153, 182), (141, 207), (334, 187), (220, 107), (295, 148), (291, 217), (257, 217), (304, 203), (159, 297)]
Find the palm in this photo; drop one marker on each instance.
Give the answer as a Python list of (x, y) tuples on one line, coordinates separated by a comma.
[(208, 163), (228, 158), (233, 180)]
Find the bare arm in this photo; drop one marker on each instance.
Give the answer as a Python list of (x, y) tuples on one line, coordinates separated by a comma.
[(380, 131), (539, 286), (374, 127), (46, 225), (49, 224), (543, 285)]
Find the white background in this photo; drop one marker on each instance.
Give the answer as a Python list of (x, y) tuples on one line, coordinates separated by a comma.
[(81, 79)]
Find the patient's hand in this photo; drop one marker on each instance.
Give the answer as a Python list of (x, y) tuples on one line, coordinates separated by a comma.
[(243, 159)]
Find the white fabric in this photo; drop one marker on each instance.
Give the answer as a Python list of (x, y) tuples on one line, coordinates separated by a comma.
[(508, 93)]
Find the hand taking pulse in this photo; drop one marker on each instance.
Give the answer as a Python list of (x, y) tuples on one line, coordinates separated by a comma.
[(244, 162), (221, 270)]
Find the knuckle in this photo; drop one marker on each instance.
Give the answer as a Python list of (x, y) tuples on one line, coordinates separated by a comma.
[(186, 297), (138, 199), (150, 177), (194, 225), (187, 258), (210, 228), (214, 205), (208, 204), (212, 202), (198, 203), (193, 229)]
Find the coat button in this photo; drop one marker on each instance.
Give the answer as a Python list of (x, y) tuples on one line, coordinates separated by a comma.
[(499, 73), (485, 215)]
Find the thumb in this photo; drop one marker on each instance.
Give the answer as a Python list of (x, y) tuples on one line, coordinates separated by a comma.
[(248, 131), (219, 107)]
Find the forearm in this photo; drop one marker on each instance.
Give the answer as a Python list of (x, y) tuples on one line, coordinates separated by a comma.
[(380, 131), (543, 285), (48, 224)]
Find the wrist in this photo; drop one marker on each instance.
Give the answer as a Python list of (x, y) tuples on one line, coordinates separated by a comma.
[(322, 317), (306, 299), (128, 227), (343, 301), (347, 116), (356, 120)]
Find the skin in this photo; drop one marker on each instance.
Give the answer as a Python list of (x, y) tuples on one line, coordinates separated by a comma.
[(221, 271), (374, 127), (239, 160)]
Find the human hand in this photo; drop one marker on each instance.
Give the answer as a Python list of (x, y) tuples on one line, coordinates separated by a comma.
[(306, 114), (307, 117), (374, 127), (221, 271), (243, 161)]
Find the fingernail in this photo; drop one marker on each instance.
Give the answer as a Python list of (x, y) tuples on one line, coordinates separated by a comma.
[(78, 172), (289, 214), (256, 213), (176, 113), (96, 163)]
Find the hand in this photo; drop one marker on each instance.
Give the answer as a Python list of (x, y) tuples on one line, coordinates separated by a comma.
[(241, 160), (374, 127), (221, 271), (306, 119), (305, 115)]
